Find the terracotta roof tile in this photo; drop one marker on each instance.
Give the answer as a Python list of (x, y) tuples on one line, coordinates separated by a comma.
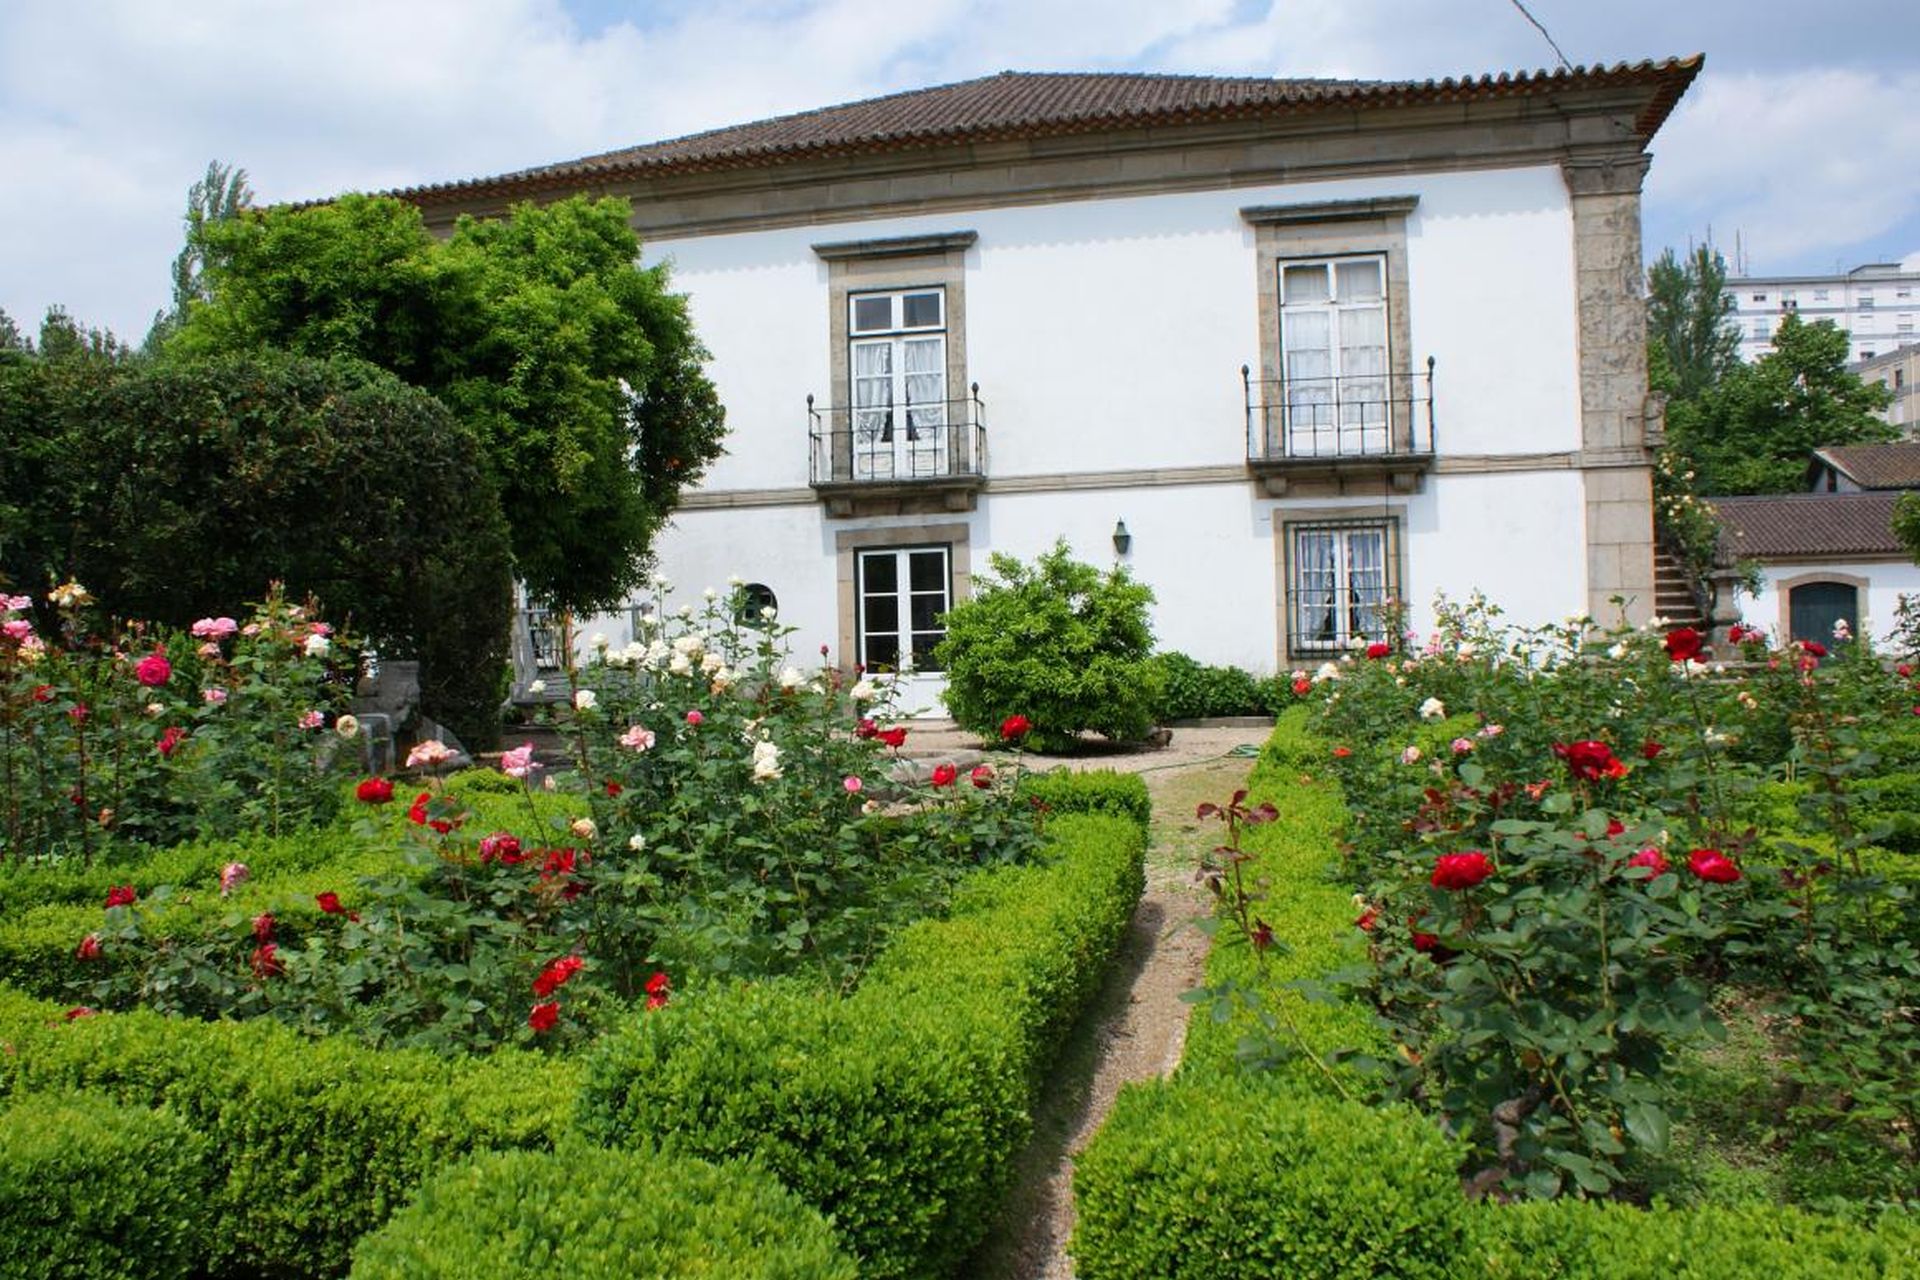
[(1876, 466), (1792, 526), (1021, 104)]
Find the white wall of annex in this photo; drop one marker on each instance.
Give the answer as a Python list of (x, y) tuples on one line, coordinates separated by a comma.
[(1109, 334), (1886, 581)]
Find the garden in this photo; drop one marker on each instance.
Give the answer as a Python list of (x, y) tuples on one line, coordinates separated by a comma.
[(1548, 951), (718, 993)]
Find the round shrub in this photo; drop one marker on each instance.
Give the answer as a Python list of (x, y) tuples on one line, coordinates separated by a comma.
[(1244, 1179), (1058, 642), (591, 1213), (92, 1189), (1195, 691)]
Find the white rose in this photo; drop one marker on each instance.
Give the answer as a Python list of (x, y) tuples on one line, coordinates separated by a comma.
[(599, 640), (709, 594), (1433, 709), (583, 828), (711, 663), (537, 688), (790, 678), (679, 665), (316, 646), (636, 842), (688, 644), (862, 692), (584, 699), (735, 580)]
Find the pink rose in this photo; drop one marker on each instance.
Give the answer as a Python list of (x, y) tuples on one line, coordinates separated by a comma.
[(214, 696), (695, 718), (518, 763), (153, 670), (852, 785), (214, 628)]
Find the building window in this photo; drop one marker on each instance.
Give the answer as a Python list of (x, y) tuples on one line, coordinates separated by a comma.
[(1759, 297), (1865, 301), (547, 630), (1819, 295), (1789, 301), (1904, 324), (1340, 577), (1760, 329), (897, 370), (1899, 379), (758, 606), (1333, 355), (903, 594)]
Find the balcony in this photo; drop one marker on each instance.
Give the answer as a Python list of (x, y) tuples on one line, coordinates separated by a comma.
[(898, 459), (1329, 434)]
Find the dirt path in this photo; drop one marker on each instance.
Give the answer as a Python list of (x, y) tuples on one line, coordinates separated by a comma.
[(1136, 1026)]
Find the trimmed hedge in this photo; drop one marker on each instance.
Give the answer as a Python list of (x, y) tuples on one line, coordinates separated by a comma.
[(318, 1141), (1061, 790), (593, 1214), (1242, 1179), (90, 1190), (1218, 1173), (899, 1110)]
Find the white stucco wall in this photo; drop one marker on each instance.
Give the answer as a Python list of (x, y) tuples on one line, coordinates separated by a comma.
[(1108, 335), (1886, 581)]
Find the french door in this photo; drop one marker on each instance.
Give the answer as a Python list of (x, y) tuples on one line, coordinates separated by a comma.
[(1333, 352), (898, 353)]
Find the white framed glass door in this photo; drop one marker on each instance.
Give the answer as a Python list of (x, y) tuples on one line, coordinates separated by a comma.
[(898, 376), (1333, 354), (901, 595)]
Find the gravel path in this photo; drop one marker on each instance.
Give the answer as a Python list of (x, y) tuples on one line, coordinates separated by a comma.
[(1137, 1024)]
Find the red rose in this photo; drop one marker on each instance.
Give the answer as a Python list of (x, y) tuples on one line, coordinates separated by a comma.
[(1590, 760), (1379, 649), (43, 693), (1425, 942), (1903, 671), (121, 895), (559, 862), (659, 987), (1302, 687), (1341, 753), (330, 903), (613, 788), (374, 791), (1813, 648), (1615, 827), (417, 814), (266, 964), (80, 1011), (89, 948), (1683, 643), (263, 927), (982, 776), (556, 975), (1461, 870), (170, 741), (1367, 919), (1649, 857), (895, 737), (153, 670), (1014, 728), (944, 775), (501, 846), (1712, 866), (1651, 749), (543, 1017), (866, 729)]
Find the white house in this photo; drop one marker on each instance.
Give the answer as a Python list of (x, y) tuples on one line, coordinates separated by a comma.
[(1318, 345), (1875, 305)]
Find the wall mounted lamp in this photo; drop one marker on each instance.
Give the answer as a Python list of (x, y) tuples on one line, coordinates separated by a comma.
[(1122, 540)]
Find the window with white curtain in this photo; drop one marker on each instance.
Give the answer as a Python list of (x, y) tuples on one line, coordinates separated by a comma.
[(1341, 576), (1333, 356), (897, 354)]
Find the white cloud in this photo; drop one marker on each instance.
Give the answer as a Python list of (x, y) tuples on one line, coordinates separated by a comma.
[(1798, 164)]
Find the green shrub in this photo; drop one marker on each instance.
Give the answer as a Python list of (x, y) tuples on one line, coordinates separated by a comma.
[(1064, 791), (319, 1140), (1195, 690), (899, 1110), (593, 1214), (1242, 1179), (94, 1191), (1585, 1240), (1058, 642)]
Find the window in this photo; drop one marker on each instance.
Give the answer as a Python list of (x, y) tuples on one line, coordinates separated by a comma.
[(1899, 379), (1903, 292), (1340, 576), (1819, 295), (897, 369), (1789, 301), (1333, 353), (902, 594), (1759, 297), (759, 607), (1760, 329), (546, 629), (1865, 300), (1904, 324)]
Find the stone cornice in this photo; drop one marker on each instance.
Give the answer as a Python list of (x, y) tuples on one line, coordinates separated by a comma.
[(1320, 211), (897, 246)]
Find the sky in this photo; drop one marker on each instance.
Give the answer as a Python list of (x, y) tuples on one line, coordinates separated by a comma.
[(1799, 144)]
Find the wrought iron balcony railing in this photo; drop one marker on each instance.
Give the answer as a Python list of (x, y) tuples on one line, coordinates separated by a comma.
[(1310, 421), (903, 444)]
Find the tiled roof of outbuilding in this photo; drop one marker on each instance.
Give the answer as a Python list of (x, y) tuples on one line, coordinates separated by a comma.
[(1801, 526), (1021, 104), (1875, 466)]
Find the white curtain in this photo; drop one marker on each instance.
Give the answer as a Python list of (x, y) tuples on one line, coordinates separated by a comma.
[(925, 361), (1315, 572), (1366, 584), (872, 409)]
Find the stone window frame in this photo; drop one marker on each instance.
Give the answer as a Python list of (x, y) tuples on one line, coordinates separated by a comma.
[(890, 265), (957, 537), (1328, 229), (1392, 516)]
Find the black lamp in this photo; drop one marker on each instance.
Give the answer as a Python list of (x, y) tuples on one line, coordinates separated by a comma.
[(1122, 540)]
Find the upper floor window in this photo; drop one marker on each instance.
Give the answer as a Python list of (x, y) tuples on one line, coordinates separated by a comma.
[(1819, 295), (1759, 297), (1865, 300), (1333, 353), (897, 371)]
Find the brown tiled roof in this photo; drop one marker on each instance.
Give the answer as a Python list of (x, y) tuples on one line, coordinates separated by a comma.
[(1875, 466), (1798, 526), (1023, 104)]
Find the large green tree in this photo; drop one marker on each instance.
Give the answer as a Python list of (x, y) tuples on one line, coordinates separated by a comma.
[(578, 373), (1690, 329), (1753, 430)]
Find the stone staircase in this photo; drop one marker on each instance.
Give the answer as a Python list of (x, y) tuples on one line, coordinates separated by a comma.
[(1673, 597)]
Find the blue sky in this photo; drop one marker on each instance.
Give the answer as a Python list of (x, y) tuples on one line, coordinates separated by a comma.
[(1802, 136)]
